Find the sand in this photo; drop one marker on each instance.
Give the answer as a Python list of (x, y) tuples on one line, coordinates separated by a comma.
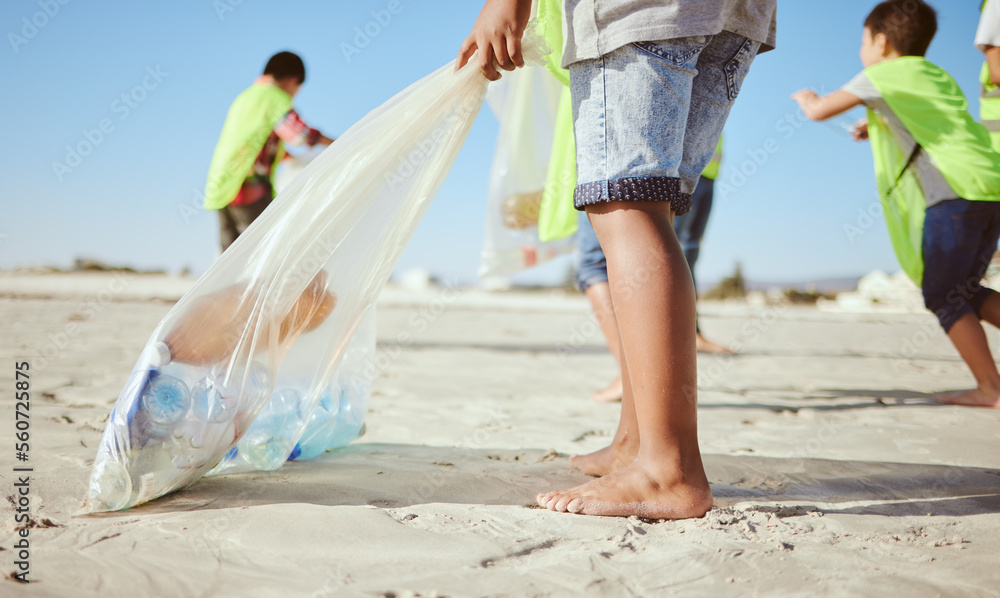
[(834, 472)]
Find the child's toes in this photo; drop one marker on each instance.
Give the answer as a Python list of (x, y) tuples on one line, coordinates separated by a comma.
[(546, 500), (562, 503)]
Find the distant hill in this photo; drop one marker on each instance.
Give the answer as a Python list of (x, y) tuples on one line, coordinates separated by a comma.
[(821, 285)]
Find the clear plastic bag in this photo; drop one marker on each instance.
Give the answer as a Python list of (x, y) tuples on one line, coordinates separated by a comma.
[(271, 351), (525, 102)]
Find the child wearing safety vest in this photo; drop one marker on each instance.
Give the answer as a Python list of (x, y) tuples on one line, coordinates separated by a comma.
[(938, 178), (988, 42), (260, 122)]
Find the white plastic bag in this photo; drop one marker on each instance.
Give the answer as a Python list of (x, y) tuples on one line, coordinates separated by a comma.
[(525, 102), (266, 333)]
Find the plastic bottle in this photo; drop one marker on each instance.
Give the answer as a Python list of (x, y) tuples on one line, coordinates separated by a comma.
[(351, 417), (214, 401), (220, 395), (267, 443), (194, 443), (287, 401), (319, 429), (152, 471), (258, 385), (111, 487), (164, 402)]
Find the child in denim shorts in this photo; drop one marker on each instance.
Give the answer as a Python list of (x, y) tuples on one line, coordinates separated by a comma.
[(938, 178), (652, 85)]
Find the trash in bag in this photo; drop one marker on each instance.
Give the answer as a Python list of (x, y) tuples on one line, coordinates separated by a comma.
[(269, 356), (526, 102)]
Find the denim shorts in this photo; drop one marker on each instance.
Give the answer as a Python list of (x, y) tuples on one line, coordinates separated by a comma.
[(592, 266), (648, 116), (960, 238)]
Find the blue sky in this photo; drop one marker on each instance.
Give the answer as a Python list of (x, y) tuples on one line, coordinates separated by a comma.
[(793, 185)]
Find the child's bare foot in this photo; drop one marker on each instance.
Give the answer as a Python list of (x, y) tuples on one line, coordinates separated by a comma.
[(619, 455), (610, 394), (644, 489), (977, 397), (703, 345)]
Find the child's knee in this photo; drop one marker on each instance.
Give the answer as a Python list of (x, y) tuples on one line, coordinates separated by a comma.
[(948, 311)]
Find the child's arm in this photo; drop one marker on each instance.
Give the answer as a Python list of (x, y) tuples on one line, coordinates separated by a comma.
[(828, 106), (497, 36), (993, 62)]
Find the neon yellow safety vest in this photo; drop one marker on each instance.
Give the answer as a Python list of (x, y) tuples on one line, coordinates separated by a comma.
[(989, 101), (934, 110), (249, 123), (557, 218), (712, 170)]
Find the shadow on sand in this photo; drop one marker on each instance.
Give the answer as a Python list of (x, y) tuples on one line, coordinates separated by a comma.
[(400, 475), (878, 399)]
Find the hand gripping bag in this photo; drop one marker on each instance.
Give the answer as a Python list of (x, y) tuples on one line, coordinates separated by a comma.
[(270, 352)]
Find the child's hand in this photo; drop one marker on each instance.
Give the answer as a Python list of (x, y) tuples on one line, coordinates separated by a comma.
[(805, 98), (497, 36), (860, 130), (815, 107)]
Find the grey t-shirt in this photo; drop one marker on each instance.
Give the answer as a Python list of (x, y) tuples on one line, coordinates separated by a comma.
[(936, 189), (593, 28)]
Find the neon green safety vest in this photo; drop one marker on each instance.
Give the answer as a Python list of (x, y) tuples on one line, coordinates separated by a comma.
[(989, 101), (557, 218), (249, 123), (712, 170), (934, 110)]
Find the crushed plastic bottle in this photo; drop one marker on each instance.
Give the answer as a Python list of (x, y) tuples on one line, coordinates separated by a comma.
[(164, 402), (111, 487)]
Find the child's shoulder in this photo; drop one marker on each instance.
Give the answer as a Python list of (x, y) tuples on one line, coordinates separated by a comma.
[(913, 76)]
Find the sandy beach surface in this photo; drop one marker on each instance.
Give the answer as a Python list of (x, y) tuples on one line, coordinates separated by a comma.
[(834, 472)]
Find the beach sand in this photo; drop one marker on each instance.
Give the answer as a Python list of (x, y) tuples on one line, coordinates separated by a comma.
[(833, 470)]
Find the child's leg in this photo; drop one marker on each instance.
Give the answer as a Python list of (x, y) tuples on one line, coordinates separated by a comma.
[(960, 238), (690, 228), (625, 445), (969, 338), (599, 296), (989, 311), (656, 319), (651, 287), (592, 279)]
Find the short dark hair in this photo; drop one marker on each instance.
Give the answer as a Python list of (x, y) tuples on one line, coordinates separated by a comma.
[(908, 25), (286, 64)]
